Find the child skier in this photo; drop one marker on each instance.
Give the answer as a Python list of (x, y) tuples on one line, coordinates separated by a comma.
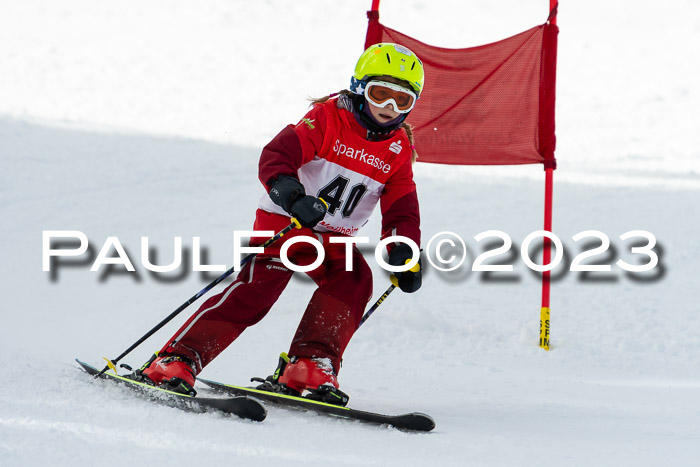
[(351, 151)]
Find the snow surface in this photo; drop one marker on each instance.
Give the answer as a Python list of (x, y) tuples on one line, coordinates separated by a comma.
[(135, 118)]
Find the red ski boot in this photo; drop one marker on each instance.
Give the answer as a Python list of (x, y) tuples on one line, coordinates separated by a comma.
[(312, 378), (171, 372)]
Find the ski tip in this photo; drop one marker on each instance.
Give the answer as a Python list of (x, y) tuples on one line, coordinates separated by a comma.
[(84, 366), (415, 421), (257, 413), (241, 406)]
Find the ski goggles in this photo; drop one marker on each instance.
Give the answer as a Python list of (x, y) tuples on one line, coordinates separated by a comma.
[(382, 93)]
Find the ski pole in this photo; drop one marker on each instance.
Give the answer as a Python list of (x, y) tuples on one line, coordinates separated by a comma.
[(394, 284), (112, 363), (378, 302)]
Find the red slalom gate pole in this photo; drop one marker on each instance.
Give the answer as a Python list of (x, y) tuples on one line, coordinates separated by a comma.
[(546, 259), (547, 243), (553, 5), (373, 35)]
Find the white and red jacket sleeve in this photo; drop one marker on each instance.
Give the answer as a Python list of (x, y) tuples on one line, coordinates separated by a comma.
[(399, 204), (292, 147)]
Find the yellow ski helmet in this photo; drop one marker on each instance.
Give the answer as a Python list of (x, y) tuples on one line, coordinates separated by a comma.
[(388, 59)]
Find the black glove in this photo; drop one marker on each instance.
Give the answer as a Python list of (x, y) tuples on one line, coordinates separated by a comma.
[(408, 281), (309, 211), (286, 191)]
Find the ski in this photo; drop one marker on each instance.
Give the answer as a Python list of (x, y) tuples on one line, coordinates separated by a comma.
[(411, 421), (241, 406)]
